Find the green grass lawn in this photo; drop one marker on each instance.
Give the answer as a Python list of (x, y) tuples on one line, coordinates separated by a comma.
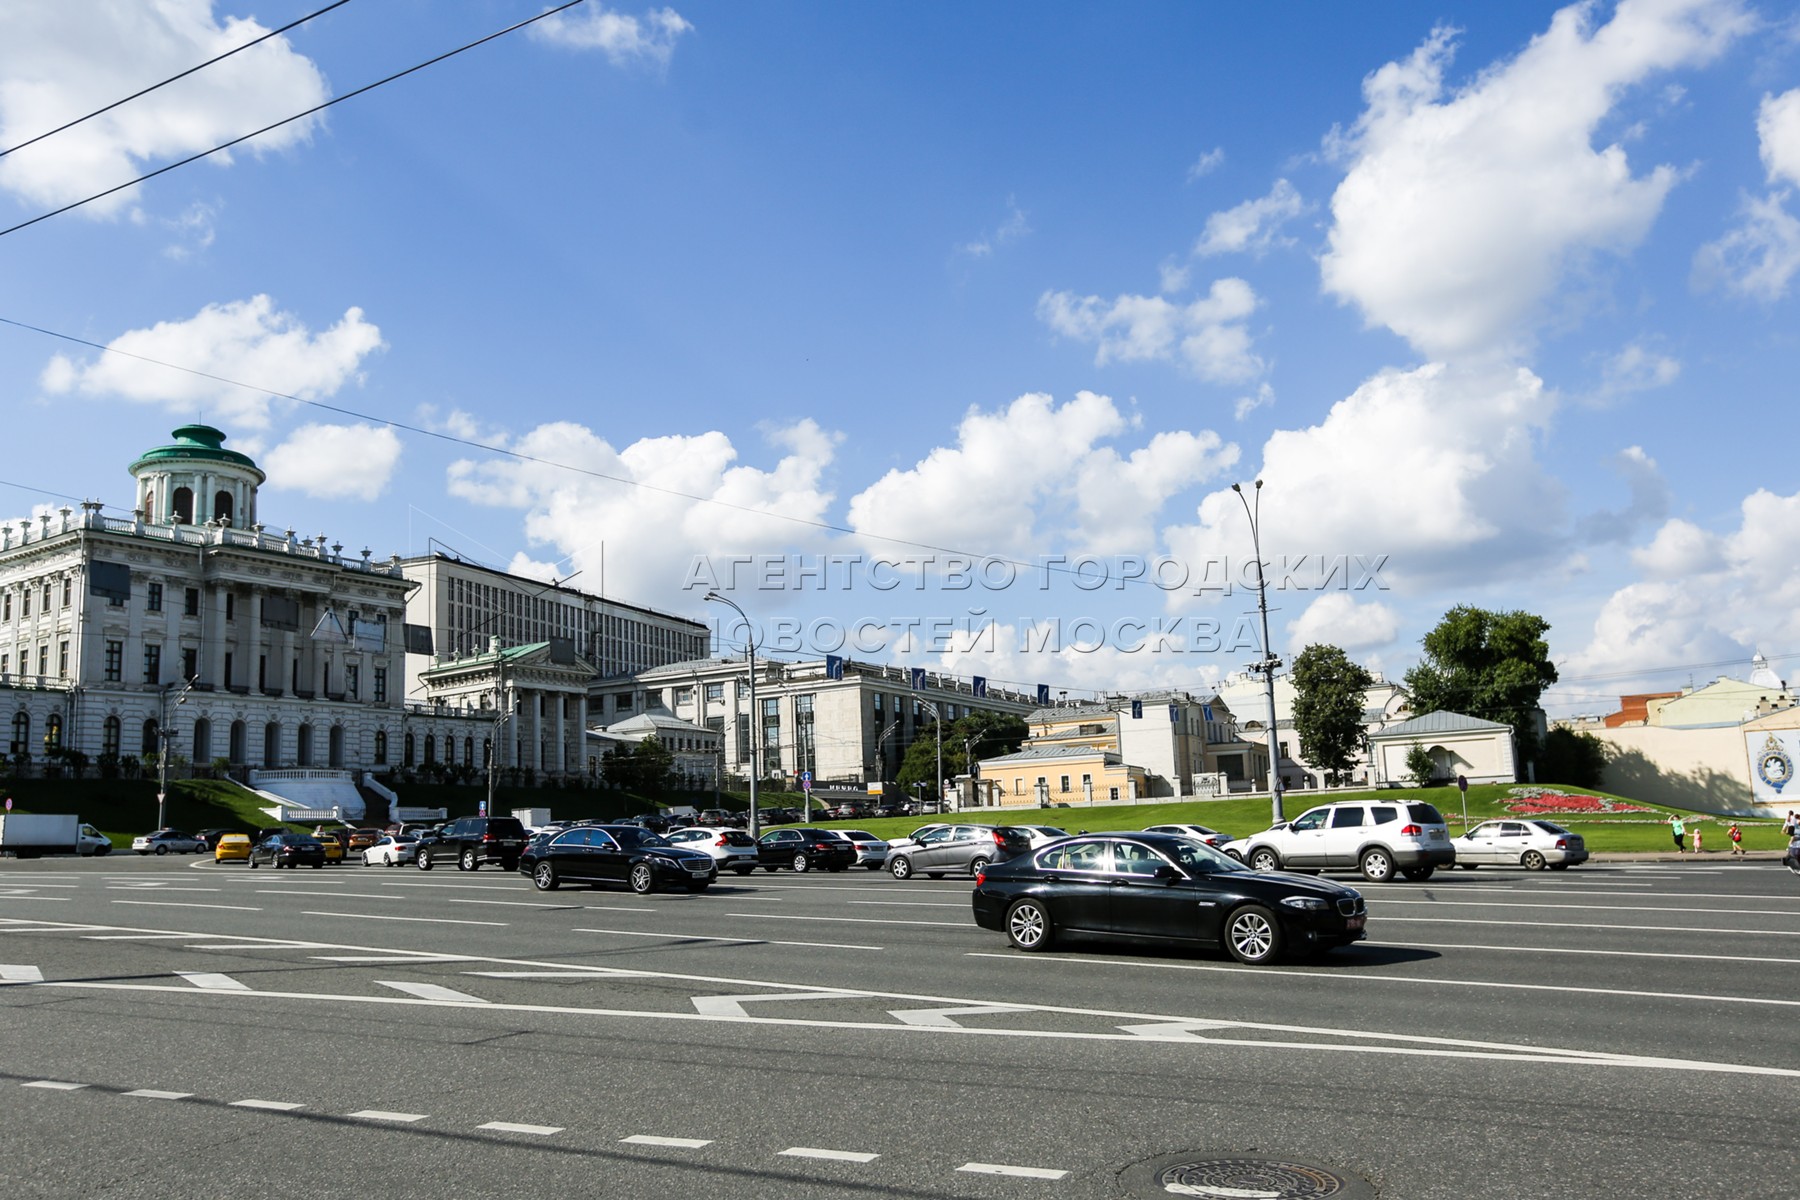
[(124, 808)]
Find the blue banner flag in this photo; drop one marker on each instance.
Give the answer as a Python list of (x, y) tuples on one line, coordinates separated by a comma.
[(918, 678), (1137, 710), (1174, 713), (1043, 693), (980, 687), (834, 667), (1206, 711)]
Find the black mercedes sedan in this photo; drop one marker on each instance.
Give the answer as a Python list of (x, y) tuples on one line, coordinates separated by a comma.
[(1163, 888), (288, 850), (627, 854)]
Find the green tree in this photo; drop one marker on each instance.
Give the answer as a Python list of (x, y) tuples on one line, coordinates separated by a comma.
[(1420, 766), (1328, 708), (648, 768), (986, 733), (1493, 665), (1577, 759)]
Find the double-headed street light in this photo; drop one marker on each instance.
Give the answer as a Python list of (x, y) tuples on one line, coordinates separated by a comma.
[(1269, 660), (755, 716), (163, 735)]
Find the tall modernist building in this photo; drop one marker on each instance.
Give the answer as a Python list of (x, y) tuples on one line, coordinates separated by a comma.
[(259, 645)]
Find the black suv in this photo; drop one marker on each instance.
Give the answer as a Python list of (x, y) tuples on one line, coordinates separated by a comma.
[(472, 841)]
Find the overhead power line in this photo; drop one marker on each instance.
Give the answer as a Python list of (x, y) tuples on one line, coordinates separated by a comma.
[(171, 79), (369, 87)]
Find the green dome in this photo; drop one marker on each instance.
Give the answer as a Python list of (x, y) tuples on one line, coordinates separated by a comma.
[(197, 442)]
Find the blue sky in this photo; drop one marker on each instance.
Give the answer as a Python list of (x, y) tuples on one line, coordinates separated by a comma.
[(1499, 297)]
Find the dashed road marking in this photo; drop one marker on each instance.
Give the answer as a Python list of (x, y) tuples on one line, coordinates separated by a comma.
[(831, 1155), (701, 937), (270, 1105), (1019, 1172), (213, 982), (431, 991), (54, 1085), (515, 1127), (379, 917), (941, 1018), (379, 1114), (156, 1094), (675, 1143), (181, 904), (733, 1006), (19, 973)]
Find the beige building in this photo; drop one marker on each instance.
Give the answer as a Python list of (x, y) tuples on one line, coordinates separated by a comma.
[(1039, 776), (1384, 704), (1479, 751)]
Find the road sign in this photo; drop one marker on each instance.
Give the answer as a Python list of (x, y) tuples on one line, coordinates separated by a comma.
[(1462, 784), (806, 781), (9, 804)]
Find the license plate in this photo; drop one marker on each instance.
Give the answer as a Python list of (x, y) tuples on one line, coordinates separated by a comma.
[(699, 870), (1355, 922)]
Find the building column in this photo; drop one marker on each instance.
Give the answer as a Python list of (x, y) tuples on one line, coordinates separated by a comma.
[(537, 733), (561, 764), (212, 641)]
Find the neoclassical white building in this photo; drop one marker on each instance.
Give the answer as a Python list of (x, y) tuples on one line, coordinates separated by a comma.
[(265, 647)]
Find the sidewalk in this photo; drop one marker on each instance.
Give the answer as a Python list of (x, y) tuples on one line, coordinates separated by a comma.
[(1711, 858)]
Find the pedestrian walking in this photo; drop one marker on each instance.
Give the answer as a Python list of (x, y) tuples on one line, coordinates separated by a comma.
[(1697, 832), (1737, 838), (1678, 827), (1790, 826)]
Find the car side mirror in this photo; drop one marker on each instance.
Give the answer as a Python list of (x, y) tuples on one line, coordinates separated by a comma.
[(1167, 874)]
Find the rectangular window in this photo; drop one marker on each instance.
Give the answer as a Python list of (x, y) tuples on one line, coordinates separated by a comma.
[(804, 757), (1065, 783), (68, 591), (190, 602), (43, 660), (190, 662), (153, 597), (380, 683), (230, 605), (46, 596), (5, 664), (25, 602), (152, 664), (6, 607), (715, 693), (262, 672), (228, 675), (352, 681), (62, 659), (683, 696)]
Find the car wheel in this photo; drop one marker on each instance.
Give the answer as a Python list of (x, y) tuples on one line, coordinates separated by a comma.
[(1252, 935), (1237, 854), (253, 863), (424, 860), (1532, 860), (468, 862), (1377, 865), (801, 866), (900, 867), (977, 865), (643, 879), (162, 849), (543, 877), (1028, 925), (1418, 874), (1265, 859)]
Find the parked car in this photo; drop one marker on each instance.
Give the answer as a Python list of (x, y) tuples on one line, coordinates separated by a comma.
[(898, 844), (959, 848), (361, 839), (167, 841), (288, 850), (627, 854), (803, 848), (332, 842), (210, 837), (1043, 835), (1533, 845), (1158, 887), (1212, 837), (871, 851), (1376, 837), (231, 847), (470, 841), (391, 850), (730, 849)]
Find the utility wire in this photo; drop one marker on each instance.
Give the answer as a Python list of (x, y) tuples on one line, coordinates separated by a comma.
[(290, 120), (171, 79)]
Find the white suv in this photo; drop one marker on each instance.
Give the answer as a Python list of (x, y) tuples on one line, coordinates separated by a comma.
[(1376, 837)]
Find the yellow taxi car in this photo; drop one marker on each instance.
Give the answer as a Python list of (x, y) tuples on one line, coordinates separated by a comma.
[(231, 847), (333, 840)]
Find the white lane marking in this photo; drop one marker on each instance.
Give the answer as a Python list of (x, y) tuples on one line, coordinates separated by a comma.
[(909, 903), (392, 956), (378, 917), (53, 899), (137, 937), (244, 946), (1414, 980), (377, 1114), (941, 1017), (1674, 907), (213, 982), (833, 1155), (1749, 958), (431, 991), (853, 920), (466, 887), (1586, 925), (179, 904), (675, 1143), (34, 884), (1019, 1172), (733, 1006), (508, 903), (54, 1085), (334, 895), (154, 1094), (515, 1127), (270, 1105), (20, 973), (121, 887), (701, 937)]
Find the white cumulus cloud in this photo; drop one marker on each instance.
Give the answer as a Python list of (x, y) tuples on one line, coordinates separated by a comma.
[(621, 37), (248, 341), (1778, 135), (60, 61), (1207, 335), (1252, 226), (1759, 255), (335, 461), (1461, 209), (1337, 619)]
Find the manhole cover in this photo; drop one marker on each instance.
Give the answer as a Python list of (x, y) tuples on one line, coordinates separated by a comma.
[(1223, 1177)]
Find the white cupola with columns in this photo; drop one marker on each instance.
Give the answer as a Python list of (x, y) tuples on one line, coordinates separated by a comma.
[(196, 481)]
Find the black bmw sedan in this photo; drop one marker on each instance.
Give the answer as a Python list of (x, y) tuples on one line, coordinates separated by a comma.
[(288, 850), (627, 854), (1165, 888)]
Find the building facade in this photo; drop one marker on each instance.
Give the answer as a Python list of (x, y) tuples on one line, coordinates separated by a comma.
[(266, 649)]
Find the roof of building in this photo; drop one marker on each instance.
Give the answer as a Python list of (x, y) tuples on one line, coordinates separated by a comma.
[(1050, 753), (1438, 722), (1113, 705), (541, 587), (656, 721), (201, 442)]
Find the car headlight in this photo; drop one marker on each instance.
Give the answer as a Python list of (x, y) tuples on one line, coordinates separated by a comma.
[(1309, 903)]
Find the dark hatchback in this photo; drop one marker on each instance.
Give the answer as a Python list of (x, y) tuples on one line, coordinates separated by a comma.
[(804, 849), (1166, 889), (623, 854), (288, 850)]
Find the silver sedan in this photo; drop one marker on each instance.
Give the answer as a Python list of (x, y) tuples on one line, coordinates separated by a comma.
[(1531, 844), (871, 851)]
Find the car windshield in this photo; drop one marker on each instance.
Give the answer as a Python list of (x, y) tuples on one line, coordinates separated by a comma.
[(1049, 831), (633, 838), (1195, 855)]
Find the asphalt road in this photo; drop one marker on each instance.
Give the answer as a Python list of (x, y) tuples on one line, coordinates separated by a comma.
[(173, 1027)]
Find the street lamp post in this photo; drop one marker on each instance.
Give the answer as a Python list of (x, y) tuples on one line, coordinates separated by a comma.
[(1269, 660), (937, 725), (503, 710), (755, 717), (163, 734)]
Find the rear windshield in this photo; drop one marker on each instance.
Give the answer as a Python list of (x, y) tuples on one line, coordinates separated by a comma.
[(1549, 827), (737, 838), (1425, 814), (505, 827)]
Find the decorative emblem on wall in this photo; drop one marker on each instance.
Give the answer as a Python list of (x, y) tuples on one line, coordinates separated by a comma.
[(1773, 765)]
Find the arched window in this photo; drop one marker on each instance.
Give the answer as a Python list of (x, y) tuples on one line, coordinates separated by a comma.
[(430, 747), (110, 735), (381, 747), (469, 750), (222, 506), (303, 753), (235, 749), (184, 506), (449, 752), (272, 744), (408, 759), (21, 736), (487, 752), (53, 732), (149, 744)]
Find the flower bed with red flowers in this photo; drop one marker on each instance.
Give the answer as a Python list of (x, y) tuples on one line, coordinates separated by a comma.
[(1537, 802)]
